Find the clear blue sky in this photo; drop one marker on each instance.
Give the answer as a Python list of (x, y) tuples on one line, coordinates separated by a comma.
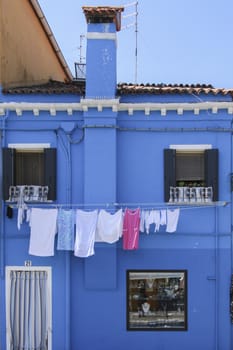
[(182, 41)]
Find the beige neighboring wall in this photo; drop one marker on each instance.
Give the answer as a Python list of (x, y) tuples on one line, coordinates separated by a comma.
[(28, 56)]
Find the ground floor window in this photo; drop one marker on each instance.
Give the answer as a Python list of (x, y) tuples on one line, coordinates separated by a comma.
[(156, 300), (28, 308)]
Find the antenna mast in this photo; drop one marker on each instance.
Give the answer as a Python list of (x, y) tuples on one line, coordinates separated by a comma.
[(135, 24), (80, 67), (136, 43), (81, 57)]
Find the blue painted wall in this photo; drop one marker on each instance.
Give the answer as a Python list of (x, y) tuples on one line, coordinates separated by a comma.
[(105, 164), (127, 166)]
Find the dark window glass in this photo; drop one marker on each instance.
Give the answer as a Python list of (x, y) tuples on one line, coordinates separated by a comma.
[(190, 167), (157, 300), (29, 167)]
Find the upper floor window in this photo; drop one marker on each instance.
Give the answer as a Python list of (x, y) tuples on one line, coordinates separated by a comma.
[(31, 167), (190, 173)]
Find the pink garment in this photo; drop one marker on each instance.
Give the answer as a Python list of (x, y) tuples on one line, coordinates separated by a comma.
[(131, 226)]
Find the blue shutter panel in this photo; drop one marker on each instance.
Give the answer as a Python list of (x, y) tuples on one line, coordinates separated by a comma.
[(169, 171), (8, 159), (211, 171), (50, 171)]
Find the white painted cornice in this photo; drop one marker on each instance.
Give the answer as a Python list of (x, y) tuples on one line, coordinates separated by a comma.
[(85, 104)]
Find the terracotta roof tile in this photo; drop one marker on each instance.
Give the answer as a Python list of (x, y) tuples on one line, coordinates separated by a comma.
[(52, 87), (78, 87), (104, 14), (161, 89)]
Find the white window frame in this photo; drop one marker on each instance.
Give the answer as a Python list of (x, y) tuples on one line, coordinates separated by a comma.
[(190, 148), (29, 146), (47, 269)]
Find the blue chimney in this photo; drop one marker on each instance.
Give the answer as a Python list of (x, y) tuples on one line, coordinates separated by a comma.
[(102, 25)]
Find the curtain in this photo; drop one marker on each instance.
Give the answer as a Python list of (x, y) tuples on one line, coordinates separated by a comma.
[(28, 310)]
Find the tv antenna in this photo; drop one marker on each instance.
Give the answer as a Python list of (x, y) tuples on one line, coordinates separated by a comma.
[(80, 66), (134, 24)]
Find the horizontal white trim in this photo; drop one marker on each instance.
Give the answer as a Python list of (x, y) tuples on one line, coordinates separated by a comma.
[(28, 268), (29, 145), (101, 36), (190, 147), (115, 105)]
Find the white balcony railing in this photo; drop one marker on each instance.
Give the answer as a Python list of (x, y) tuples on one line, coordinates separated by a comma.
[(191, 195)]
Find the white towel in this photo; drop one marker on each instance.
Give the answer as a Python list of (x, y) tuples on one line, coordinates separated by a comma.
[(43, 223), (109, 226), (172, 220), (86, 222)]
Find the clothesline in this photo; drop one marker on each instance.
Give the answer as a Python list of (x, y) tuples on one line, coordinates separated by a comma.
[(115, 205), (79, 229)]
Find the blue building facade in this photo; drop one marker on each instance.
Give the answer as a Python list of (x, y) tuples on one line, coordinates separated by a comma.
[(117, 146)]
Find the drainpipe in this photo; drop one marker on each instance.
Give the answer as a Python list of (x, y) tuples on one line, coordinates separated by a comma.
[(216, 281), (68, 265), (2, 220), (2, 233), (67, 151), (231, 188)]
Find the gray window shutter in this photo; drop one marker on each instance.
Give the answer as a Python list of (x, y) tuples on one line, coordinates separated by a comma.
[(211, 171), (50, 169), (169, 171), (8, 159)]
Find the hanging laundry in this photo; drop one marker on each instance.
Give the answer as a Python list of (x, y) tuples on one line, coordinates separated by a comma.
[(172, 220), (131, 225), (86, 223), (163, 217), (145, 221), (22, 207), (109, 226), (65, 229), (142, 220), (43, 224), (155, 218), (148, 220)]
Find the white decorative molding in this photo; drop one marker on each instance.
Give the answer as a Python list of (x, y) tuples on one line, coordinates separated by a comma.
[(83, 106), (101, 36), (163, 112), (215, 110), (130, 111), (69, 111), (36, 112), (180, 111)]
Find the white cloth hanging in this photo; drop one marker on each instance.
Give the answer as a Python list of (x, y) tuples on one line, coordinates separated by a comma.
[(163, 217), (43, 223), (86, 222), (109, 226), (172, 219)]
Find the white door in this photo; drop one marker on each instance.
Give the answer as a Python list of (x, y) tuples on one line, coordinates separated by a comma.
[(28, 308)]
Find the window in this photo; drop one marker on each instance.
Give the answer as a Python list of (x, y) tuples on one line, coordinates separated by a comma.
[(29, 166), (157, 300), (28, 308), (191, 173)]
